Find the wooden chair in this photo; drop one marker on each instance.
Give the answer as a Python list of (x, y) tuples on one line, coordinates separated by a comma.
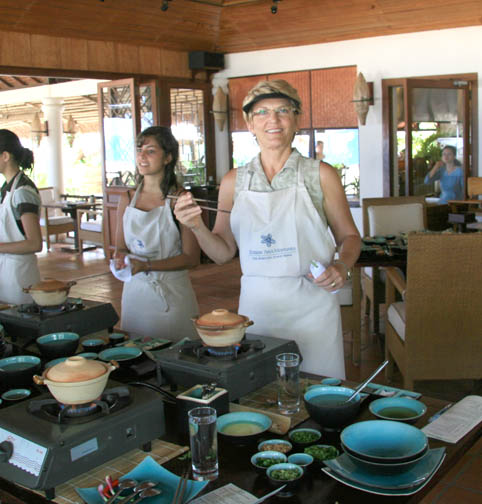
[(474, 191), (387, 216), (435, 333), (349, 297), (52, 220), (90, 227)]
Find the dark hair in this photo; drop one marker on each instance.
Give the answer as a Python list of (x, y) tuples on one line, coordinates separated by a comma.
[(452, 148), (169, 145), (9, 142)]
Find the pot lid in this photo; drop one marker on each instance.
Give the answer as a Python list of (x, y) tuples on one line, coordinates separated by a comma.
[(220, 317), (75, 369), (49, 285)]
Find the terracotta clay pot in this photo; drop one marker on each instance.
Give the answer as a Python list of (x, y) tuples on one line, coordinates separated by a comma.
[(76, 380), (50, 292), (221, 327)]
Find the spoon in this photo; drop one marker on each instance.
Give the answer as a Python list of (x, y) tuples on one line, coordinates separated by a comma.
[(362, 385), (142, 487), (123, 485), (148, 492)]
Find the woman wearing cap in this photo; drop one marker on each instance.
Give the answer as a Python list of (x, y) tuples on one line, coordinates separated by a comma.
[(283, 207), (20, 235)]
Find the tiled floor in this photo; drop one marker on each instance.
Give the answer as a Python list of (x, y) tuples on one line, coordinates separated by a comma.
[(218, 286)]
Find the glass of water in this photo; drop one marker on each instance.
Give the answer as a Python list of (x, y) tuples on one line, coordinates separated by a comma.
[(204, 443), (288, 373)]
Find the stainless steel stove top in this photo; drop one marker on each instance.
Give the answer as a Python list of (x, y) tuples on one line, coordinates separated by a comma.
[(40, 453)]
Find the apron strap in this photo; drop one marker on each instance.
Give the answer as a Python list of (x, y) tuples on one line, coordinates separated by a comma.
[(247, 179), (136, 194), (301, 176)]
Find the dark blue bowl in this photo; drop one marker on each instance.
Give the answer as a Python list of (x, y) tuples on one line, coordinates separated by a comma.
[(17, 371), (93, 345), (61, 344)]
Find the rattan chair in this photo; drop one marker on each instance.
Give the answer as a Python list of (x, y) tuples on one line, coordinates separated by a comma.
[(52, 220), (387, 216), (435, 333)]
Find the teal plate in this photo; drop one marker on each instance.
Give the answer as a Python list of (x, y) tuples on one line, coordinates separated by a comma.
[(149, 469), (15, 394), (370, 481), (120, 353)]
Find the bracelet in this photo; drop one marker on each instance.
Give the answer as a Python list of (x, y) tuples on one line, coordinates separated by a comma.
[(347, 269)]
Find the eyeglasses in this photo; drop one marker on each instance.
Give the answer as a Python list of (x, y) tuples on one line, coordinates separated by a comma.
[(279, 111)]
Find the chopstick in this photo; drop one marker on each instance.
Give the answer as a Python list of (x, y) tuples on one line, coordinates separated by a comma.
[(171, 196)]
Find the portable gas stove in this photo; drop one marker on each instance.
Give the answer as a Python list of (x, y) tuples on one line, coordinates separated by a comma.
[(44, 444), (28, 321), (240, 369)]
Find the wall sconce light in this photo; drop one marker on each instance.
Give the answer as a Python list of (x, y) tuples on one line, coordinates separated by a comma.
[(70, 130), (362, 97), (220, 108), (37, 130), (274, 7), (165, 5)]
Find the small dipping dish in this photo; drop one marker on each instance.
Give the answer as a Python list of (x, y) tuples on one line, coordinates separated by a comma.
[(16, 394)]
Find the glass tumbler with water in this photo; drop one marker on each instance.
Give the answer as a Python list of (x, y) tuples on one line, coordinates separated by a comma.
[(204, 443), (288, 372)]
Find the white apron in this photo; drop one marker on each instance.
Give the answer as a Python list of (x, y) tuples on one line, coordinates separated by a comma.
[(161, 303), (16, 270), (278, 234)]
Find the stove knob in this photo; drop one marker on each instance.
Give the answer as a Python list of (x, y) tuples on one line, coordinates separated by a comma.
[(258, 345), (6, 451)]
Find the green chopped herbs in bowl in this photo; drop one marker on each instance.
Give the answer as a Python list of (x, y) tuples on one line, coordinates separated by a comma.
[(285, 474), (322, 452), (304, 436)]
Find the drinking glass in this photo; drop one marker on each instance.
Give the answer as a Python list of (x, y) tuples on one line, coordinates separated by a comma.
[(288, 372), (204, 443)]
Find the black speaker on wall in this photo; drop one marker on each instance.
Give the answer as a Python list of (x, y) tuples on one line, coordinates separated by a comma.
[(200, 60)]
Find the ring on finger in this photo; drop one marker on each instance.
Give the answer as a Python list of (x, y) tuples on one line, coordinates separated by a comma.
[(333, 284)]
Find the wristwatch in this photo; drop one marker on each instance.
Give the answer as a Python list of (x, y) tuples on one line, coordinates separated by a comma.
[(347, 269)]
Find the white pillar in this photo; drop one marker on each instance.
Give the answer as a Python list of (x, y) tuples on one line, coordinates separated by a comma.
[(221, 138), (52, 109)]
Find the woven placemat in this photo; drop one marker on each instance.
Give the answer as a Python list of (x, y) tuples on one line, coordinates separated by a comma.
[(161, 452), (266, 399)]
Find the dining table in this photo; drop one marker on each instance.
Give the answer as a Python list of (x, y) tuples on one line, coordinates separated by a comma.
[(70, 207), (315, 488)]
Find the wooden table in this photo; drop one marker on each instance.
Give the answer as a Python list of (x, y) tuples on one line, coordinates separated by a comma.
[(70, 208), (315, 488)]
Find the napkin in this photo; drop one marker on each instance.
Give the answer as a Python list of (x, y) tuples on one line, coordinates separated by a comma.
[(122, 274)]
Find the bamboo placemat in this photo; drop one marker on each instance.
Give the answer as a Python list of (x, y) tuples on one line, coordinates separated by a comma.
[(266, 398), (161, 452)]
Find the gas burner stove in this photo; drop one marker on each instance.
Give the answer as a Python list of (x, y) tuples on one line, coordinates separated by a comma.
[(110, 401), (231, 352), (24, 323), (239, 370), (38, 452)]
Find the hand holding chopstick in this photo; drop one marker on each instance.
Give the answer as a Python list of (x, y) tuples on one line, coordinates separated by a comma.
[(212, 209)]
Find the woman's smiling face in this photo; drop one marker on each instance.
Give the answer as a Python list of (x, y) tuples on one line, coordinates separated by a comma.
[(150, 157), (273, 122)]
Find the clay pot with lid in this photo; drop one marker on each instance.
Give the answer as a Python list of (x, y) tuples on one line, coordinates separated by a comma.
[(76, 380), (221, 327), (50, 292)]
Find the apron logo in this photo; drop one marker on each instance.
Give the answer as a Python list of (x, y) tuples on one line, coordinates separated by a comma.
[(268, 240), (139, 244)]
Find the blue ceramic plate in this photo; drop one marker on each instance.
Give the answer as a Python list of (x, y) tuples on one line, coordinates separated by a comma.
[(402, 409), (331, 381), (149, 469), (120, 353), (19, 363), (15, 394), (344, 466), (382, 491)]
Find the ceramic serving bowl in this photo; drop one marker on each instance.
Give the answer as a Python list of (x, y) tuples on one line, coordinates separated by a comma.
[(120, 354), (17, 371), (61, 344), (327, 405), (321, 452), (264, 459), (76, 380), (221, 327), (50, 292), (303, 460), (278, 475), (93, 345), (242, 426), (383, 441), (116, 338), (403, 409)]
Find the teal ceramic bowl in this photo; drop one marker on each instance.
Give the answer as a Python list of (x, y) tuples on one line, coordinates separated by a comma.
[(242, 426), (280, 445), (116, 338), (334, 382), (277, 476), (53, 362), (120, 354), (17, 371), (402, 409), (16, 394), (383, 441), (303, 460), (61, 344), (264, 459), (88, 355), (304, 437), (93, 345)]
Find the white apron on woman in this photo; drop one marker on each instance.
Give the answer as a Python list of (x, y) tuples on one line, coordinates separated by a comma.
[(161, 303), (278, 234), (16, 270)]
